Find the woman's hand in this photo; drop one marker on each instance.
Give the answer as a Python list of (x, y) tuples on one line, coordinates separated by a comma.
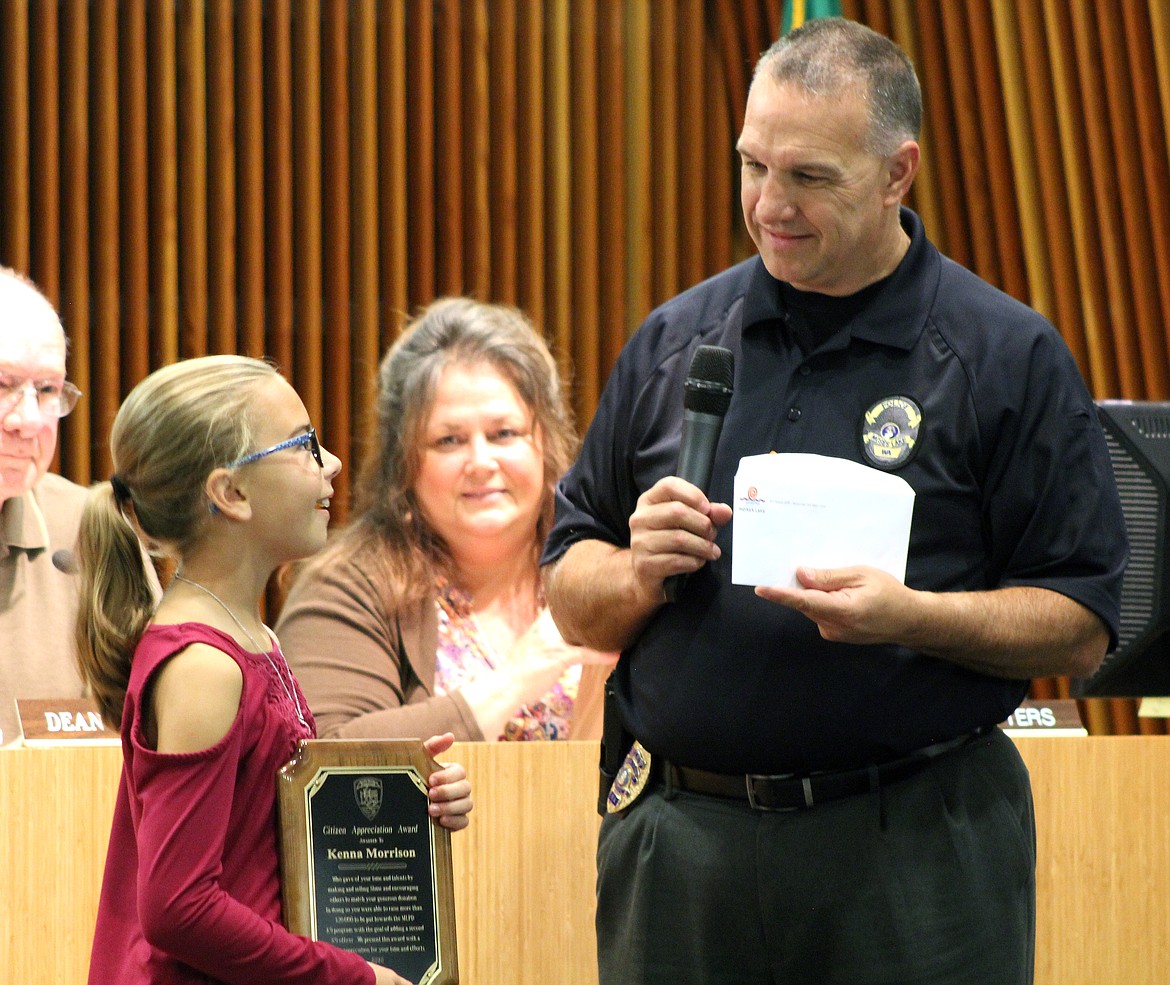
[(449, 790), (542, 651), (535, 663)]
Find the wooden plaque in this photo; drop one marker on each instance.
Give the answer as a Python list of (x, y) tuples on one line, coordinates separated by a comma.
[(363, 866)]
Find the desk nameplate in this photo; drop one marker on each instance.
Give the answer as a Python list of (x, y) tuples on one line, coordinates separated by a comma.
[(1051, 717), (63, 722)]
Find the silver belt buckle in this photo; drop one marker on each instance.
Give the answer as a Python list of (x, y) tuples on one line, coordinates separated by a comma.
[(751, 779)]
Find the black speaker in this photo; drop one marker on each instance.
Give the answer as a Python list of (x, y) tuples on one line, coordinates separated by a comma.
[(1138, 436)]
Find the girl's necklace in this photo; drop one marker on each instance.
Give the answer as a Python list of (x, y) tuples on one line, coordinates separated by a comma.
[(290, 693)]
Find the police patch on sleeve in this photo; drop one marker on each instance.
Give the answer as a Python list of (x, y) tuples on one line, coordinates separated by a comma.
[(889, 432)]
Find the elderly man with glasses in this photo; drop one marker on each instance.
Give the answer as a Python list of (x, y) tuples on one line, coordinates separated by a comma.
[(39, 511)]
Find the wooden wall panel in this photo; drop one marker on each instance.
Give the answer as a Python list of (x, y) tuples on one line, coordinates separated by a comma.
[(307, 327), (1044, 211), (133, 196), (364, 303), (559, 163), (450, 147), (498, 168), (393, 258), (278, 182), (14, 148), (104, 164), (484, 123), (530, 160), (612, 244), (292, 179), (250, 273), (74, 299), (643, 156), (944, 161), (1154, 207), (44, 146), (163, 180), (724, 236), (219, 40), (697, 141), (1003, 213), (665, 144), (1019, 167), (337, 290), (191, 155)]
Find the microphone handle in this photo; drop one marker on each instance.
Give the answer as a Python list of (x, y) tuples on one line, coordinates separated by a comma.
[(696, 460), (696, 456)]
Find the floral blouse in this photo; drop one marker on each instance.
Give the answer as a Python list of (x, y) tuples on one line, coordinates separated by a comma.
[(465, 652)]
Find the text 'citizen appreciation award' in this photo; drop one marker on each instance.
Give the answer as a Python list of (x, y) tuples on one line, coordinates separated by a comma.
[(362, 864)]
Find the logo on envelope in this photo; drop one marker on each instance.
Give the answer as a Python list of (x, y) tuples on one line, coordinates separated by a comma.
[(750, 500), (889, 432)]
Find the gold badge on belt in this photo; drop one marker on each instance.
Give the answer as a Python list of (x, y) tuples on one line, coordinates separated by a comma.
[(630, 780)]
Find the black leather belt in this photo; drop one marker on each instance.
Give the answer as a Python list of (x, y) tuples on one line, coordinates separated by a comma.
[(790, 792)]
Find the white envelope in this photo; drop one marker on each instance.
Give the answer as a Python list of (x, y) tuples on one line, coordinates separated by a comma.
[(796, 510)]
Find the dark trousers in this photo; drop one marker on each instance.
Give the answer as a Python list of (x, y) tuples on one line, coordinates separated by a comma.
[(928, 880)]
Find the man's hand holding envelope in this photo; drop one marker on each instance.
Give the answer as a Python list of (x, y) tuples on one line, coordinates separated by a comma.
[(825, 536)]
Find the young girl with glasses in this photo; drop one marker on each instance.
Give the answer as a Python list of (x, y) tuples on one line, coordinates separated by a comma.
[(208, 708)]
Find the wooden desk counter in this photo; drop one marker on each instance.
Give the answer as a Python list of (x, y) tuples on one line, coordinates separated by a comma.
[(524, 869), (1103, 858)]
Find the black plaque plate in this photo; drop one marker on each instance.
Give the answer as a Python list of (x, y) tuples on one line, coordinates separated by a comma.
[(362, 864)]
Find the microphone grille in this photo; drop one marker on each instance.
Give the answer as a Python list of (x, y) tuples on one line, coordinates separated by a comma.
[(708, 385), (65, 561)]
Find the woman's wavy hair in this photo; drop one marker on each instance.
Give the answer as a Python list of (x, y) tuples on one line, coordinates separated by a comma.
[(172, 431), (388, 531)]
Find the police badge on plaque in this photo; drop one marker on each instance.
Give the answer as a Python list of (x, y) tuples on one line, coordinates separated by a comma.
[(363, 866), (367, 790)]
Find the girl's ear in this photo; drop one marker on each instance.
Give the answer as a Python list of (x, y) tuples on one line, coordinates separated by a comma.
[(225, 497)]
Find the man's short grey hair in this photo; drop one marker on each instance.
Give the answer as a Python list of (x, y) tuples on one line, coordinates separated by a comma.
[(829, 55)]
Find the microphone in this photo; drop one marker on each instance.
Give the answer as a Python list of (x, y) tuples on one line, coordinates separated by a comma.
[(64, 561), (707, 395)]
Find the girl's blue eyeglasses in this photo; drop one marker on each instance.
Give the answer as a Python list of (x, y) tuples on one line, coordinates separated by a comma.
[(309, 439)]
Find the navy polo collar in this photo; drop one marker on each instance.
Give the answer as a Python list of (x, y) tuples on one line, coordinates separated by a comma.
[(895, 316)]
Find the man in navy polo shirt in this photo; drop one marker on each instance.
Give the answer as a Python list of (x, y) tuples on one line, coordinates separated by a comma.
[(818, 792)]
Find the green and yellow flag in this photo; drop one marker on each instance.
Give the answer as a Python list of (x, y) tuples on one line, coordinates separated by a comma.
[(796, 12)]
